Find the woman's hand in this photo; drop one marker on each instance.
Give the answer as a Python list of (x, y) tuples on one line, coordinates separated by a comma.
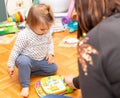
[(50, 58), (11, 71), (69, 81)]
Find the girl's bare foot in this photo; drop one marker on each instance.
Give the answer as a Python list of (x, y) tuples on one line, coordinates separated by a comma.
[(25, 92)]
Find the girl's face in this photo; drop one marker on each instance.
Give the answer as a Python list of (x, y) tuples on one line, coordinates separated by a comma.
[(40, 30)]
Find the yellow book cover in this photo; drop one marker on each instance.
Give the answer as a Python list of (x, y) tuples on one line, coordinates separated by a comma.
[(52, 85)]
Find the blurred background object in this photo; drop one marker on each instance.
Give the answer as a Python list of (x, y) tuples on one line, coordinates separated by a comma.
[(3, 13), (58, 6)]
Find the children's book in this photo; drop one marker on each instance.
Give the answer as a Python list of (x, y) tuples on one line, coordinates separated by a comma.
[(6, 39), (8, 27), (52, 85), (68, 42)]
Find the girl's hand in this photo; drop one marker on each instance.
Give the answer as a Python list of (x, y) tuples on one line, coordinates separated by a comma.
[(50, 58), (11, 71)]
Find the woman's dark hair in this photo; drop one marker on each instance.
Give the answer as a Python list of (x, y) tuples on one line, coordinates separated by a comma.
[(91, 12)]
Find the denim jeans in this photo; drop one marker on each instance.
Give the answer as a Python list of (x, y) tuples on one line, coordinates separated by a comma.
[(28, 66)]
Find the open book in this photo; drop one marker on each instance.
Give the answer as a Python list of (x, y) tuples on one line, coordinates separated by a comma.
[(68, 42), (6, 39)]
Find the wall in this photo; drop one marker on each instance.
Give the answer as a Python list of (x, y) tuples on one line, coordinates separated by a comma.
[(58, 6), (3, 14)]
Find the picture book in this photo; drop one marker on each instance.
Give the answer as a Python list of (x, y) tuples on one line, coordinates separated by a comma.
[(68, 42), (7, 28), (6, 39), (52, 85)]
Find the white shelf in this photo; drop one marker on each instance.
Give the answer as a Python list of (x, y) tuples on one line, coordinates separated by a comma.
[(60, 14)]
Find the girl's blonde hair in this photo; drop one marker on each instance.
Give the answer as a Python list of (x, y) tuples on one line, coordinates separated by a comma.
[(40, 14)]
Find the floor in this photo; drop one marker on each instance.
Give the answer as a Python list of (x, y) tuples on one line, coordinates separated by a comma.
[(66, 59)]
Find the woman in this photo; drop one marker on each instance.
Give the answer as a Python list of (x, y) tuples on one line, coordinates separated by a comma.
[(99, 51)]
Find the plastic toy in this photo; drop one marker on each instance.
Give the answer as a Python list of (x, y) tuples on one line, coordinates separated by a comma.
[(52, 85), (70, 21), (17, 17), (72, 26), (36, 1), (67, 19)]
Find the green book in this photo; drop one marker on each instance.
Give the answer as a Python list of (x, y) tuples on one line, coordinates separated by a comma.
[(8, 28)]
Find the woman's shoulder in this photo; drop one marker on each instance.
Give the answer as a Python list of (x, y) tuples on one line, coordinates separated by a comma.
[(108, 27), (110, 24)]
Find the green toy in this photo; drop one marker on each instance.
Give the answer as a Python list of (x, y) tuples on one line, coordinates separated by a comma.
[(68, 90)]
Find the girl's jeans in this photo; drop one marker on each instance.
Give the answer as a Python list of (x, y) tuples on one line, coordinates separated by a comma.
[(27, 66)]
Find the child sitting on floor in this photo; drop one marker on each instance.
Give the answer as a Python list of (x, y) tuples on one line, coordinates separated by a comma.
[(33, 51)]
